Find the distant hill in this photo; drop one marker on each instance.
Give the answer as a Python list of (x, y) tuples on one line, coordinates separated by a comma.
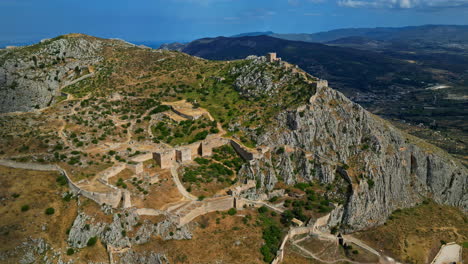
[(172, 46), (344, 67), (387, 78), (427, 33), (253, 34)]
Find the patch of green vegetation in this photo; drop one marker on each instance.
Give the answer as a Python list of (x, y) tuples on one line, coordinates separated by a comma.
[(232, 211), (80, 89), (70, 251), (184, 132), (228, 157), (91, 242), (206, 173), (50, 211), (25, 208), (271, 236), (62, 180)]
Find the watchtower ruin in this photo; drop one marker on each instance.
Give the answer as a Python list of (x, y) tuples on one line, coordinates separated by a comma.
[(271, 57), (165, 158), (183, 154)]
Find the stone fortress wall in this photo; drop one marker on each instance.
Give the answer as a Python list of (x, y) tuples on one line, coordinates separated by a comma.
[(292, 233), (114, 170), (165, 158), (112, 198), (206, 206)]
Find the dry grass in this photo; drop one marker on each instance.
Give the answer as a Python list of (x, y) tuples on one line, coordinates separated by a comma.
[(208, 189), (216, 243), (414, 235), (159, 194), (39, 190), (294, 256)]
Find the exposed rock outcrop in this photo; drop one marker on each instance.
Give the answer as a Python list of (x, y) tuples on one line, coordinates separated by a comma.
[(31, 76), (132, 257), (385, 168), (258, 78), (115, 233)]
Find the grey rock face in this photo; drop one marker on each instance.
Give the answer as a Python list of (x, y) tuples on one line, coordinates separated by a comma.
[(30, 77), (258, 78), (81, 231), (115, 234), (386, 168), (167, 230), (132, 257)]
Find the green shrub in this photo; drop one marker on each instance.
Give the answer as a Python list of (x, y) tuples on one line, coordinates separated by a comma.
[(263, 209), (280, 150), (49, 211), (232, 211), (302, 185), (371, 183), (24, 208), (61, 180), (92, 241), (70, 251), (202, 161)]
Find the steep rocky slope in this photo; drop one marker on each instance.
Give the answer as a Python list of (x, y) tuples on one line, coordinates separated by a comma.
[(385, 169)]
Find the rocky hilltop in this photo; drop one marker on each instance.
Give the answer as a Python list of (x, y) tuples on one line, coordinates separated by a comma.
[(232, 136), (384, 169), (31, 77)]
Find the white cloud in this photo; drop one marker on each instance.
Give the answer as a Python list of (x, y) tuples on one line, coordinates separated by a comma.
[(298, 2), (404, 4)]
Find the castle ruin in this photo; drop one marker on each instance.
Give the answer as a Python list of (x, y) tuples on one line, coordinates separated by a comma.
[(271, 57), (165, 159)]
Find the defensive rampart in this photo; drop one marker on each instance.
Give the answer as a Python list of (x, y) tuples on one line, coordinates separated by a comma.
[(243, 152), (207, 206), (292, 232), (112, 198)]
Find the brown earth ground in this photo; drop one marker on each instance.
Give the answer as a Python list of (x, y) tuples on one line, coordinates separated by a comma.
[(160, 194), (230, 241), (39, 190), (415, 235)]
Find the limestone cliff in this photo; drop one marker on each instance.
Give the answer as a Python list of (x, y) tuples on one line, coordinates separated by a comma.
[(384, 168), (31, 77)]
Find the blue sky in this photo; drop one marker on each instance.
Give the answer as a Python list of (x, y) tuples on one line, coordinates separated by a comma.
[(164, 20)]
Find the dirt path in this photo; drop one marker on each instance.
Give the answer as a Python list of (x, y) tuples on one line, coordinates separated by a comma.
[(349, 238), (316, 257), (180, 187)]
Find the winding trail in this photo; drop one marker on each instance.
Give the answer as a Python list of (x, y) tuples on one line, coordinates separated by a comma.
[(180, 187), (316, 257)]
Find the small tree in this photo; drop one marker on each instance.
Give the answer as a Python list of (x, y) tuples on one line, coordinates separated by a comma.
[(50, 211), (92, 241), (24, 208), (232, 211), (263, 209)]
